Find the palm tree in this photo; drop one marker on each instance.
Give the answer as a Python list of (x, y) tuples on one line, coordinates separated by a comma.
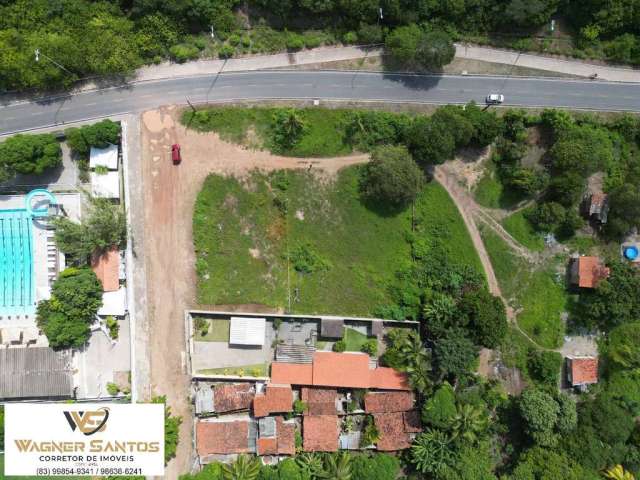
[(418, 361), (244, 468), (311, 464), (432, 451), (337, 467), (469, 423), (618, 473)]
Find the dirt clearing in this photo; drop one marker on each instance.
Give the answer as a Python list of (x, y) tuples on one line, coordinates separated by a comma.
[(169, 196)]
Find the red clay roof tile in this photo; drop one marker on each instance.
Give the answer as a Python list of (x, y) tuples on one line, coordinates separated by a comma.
[(584, 371), (348, 370), (231, 397), (222, 437), (107, 269), (276, 399), (286, 434), (591, 271), (320, 401), (320, 433), (386, 378), (392, 431), (292, 373), (388, 402)]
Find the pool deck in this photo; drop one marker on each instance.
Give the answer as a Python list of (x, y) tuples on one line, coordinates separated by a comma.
[(42, 240)]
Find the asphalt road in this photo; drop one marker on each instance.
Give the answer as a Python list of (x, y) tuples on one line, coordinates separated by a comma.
[(437, 89)]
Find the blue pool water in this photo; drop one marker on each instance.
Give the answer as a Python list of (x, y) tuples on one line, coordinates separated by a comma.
[(17, 285)]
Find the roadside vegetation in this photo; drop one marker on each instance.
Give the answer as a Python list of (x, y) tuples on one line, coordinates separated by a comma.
[(86, 39), (27, 154)]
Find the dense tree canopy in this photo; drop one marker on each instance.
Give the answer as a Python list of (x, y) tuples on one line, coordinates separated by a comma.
[(392, 177), (76, 297), (29, 154)]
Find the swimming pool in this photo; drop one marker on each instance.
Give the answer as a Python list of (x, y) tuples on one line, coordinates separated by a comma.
[(17, 286)]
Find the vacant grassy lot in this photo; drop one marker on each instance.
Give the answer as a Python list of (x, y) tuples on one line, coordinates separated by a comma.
[(489, 191), (520, 229), (535, 291), (290, 237), (324, 136)]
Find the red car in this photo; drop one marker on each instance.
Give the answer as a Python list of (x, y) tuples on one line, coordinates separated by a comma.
[(175, 154)]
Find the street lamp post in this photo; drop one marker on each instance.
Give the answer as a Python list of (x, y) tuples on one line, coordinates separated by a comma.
[(38, 54)]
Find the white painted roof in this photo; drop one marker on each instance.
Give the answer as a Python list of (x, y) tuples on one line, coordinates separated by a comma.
[(114, 303), (105, 185), (105, 157), (247, 331), (11, 335)]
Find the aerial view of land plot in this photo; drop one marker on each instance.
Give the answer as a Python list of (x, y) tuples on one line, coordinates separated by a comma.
[(335, 240)]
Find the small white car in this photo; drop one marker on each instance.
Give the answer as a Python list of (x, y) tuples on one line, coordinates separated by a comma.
[(494, 99)]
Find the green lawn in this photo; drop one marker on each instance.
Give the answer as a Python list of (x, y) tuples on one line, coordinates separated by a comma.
[(242, 236), (324, 136), (542, 302), (256, 370), (489, 191), (354, 340), (218, 331), (536, 292), (520, 229)]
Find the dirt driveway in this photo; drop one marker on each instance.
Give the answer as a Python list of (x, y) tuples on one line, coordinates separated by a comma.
[(169, 195)]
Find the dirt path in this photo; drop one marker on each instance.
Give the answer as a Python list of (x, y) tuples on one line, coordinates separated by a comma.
[(169, 196), (465, 208), (470, 210)]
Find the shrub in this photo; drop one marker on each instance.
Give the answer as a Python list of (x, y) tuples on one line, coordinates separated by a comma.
[(305, 259), (226, 51), (29, 154), (440, 410), (545, 366), (350, 37), (171, 429), (295, 42), (113, 326), (299, 407), (370, 433), (370, 34), (184, 52), (201, 326), (286, 129), (101, 134), (379, 466), (113, 389), (339, 346), (370, 347)]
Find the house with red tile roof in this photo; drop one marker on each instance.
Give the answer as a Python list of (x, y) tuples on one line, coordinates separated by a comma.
[(588, 272), (320, 401), (231, 397), (275, 399), (395, 434), (106, 266), (582, 371), (222, 438), (320, 433), (276, 439), (354, 368), (388, 402)]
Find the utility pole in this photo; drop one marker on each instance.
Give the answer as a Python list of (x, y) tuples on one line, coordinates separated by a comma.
[(38, 53)]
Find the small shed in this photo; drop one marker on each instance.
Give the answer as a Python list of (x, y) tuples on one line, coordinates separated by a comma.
[(204, 400), (114, 303), (331, 327), (598, 207), (105, 185), (104, 157), (587, 272), (582, 371), (247, 331)]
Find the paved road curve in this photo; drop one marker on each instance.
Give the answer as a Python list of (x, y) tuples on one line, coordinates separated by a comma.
[(323, 85)]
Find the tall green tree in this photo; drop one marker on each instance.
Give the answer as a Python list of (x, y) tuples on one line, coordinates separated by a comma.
[(244, 468), (75, 299), (392, 177), (432, 452), (29, 154)]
